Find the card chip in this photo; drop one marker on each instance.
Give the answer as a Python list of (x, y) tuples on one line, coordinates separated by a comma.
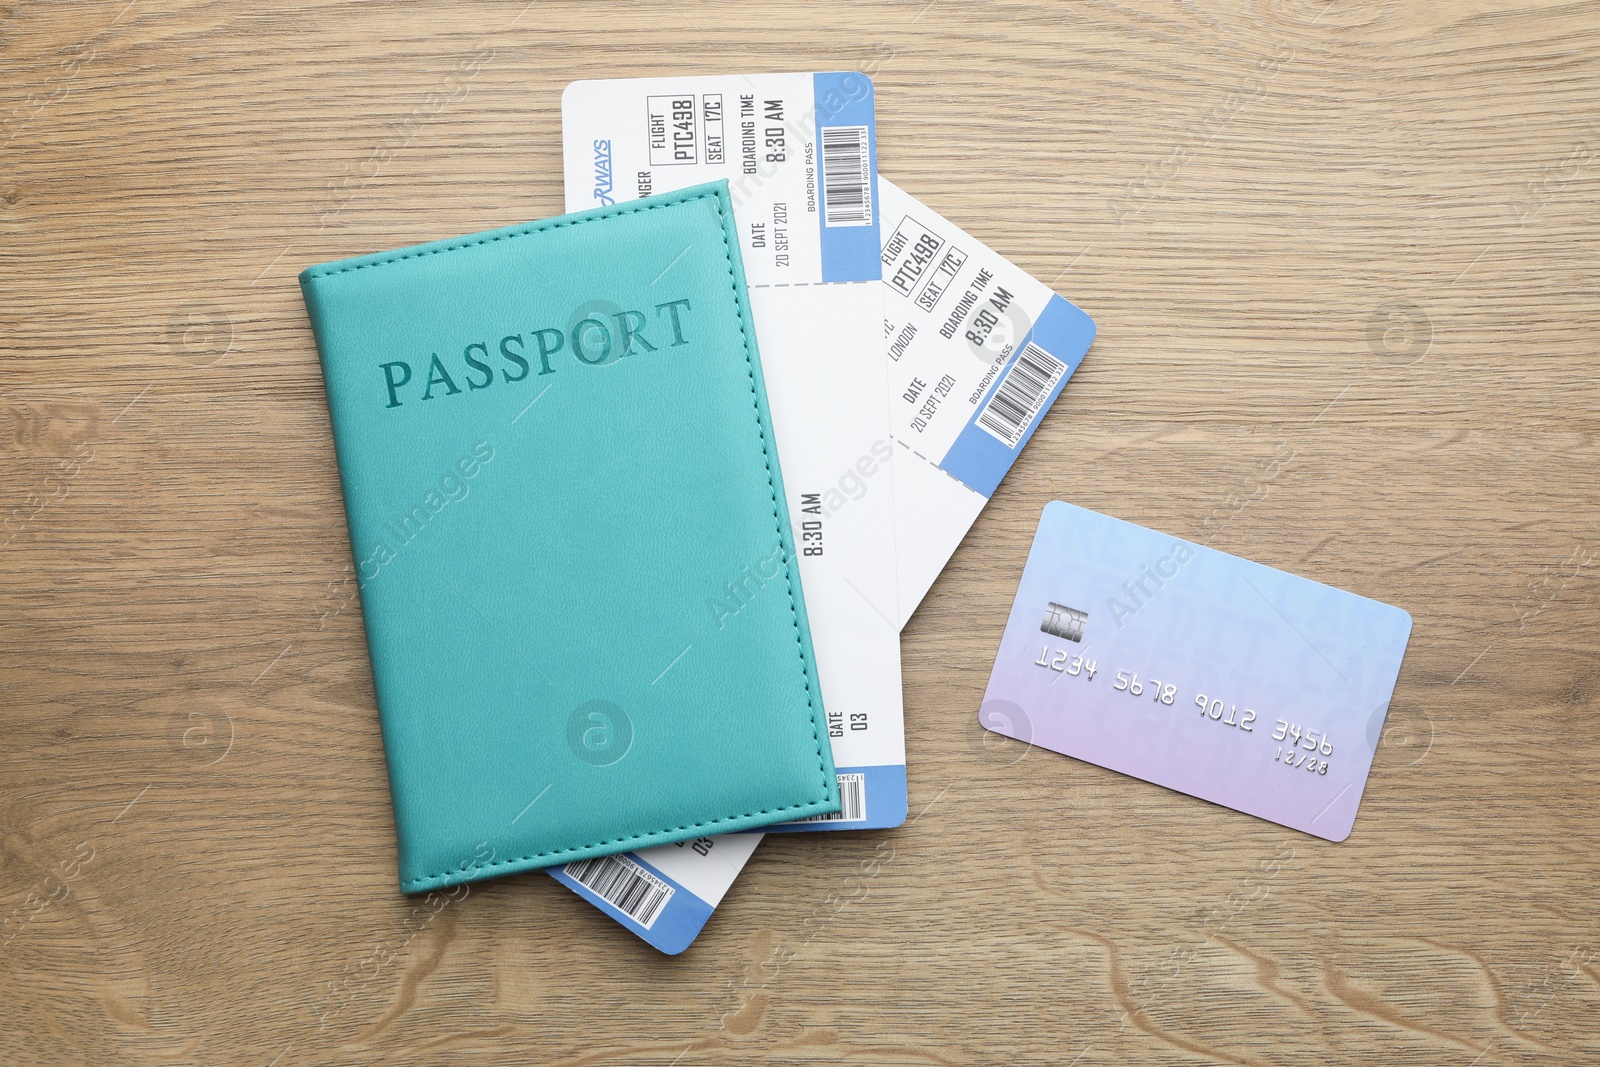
[(1062, 621)]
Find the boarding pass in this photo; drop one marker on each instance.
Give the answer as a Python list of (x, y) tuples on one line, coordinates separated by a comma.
[(798, 152)]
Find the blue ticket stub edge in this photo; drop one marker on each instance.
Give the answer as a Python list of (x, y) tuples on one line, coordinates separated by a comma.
[(849, 253), (978, 459), (886, 799), (681, 919)]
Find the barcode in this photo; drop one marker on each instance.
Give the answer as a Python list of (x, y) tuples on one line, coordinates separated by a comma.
[(624, 885), (852, 801), (846, 177), (1010, 411)]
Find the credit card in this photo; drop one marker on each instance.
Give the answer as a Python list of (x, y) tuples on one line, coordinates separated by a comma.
[(978, 351), (1211, 675), (799, 153)]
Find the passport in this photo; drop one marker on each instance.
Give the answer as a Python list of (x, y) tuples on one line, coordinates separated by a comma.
[(555, 452)]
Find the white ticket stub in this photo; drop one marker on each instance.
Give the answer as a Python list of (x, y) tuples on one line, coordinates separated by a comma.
[(978, 351)]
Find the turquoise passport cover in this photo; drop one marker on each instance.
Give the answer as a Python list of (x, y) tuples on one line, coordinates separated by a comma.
[(556, 457)]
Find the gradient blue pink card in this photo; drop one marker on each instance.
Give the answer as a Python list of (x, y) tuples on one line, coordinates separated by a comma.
[(1196, 670)]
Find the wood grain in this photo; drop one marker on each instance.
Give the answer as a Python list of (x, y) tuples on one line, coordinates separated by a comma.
[(1361, 231)]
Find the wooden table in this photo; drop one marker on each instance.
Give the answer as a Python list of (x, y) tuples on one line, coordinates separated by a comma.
[(1358, 235)]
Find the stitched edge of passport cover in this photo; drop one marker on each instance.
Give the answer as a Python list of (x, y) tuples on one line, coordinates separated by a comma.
[(717, 192)]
